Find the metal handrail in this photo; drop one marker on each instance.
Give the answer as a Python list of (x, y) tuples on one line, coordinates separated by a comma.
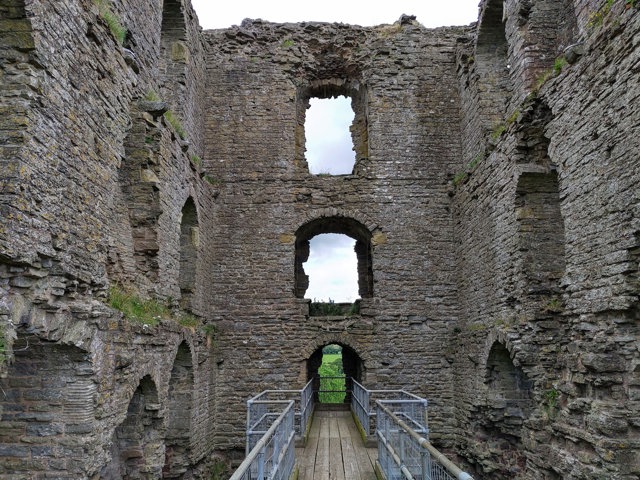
[(304, 401), (363, 405), (398, 444), (277, 440)]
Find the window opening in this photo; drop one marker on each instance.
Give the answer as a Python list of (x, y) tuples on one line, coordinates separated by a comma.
[(332, 268), (492, 57), (329, 145)]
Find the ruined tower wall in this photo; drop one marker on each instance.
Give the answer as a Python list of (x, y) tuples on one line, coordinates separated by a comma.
[(260, 76), (548, 270), (498, 196), (86, 156)]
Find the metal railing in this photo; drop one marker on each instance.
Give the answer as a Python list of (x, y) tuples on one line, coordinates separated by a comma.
[(267, 404), (273, 455), (408, 406), (404, 454), (325, 387)]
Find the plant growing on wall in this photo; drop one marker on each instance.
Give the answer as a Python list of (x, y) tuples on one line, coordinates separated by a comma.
[(175, 122), (117, 29)]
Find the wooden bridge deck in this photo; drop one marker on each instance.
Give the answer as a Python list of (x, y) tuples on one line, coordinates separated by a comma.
[(335, 450)]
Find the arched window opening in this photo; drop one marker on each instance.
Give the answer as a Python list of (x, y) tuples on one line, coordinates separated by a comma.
[(138, 178), (329, 146), (506, 382), (359, 239), (492, 60), (137, 446), (189, 241), (332, 268), (547, 28), (180, 405), (332, 368)]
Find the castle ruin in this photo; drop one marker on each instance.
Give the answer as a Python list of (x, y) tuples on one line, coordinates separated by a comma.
[(494, 202)]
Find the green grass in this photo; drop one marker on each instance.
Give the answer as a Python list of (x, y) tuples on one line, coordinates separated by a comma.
[(332, 367), (135, 308), (117, 29), (188, 320), (175, 122), (211, 180), (152, 96), (559, 64)]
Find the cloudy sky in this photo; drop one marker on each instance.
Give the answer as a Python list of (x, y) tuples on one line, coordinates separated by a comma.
[(431, 13), (332, 262)]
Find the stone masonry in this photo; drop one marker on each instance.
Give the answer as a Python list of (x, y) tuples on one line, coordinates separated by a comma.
[(493, 201)]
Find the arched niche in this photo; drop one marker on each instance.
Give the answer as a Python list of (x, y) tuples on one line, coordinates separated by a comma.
[(189, 241), (137, 448), (179, 415)]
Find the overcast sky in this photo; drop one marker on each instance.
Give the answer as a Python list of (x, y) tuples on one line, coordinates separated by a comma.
[(332, 268), (431, 13), (332, 265)]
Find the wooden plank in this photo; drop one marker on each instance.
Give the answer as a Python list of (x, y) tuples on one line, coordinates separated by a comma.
[(336, 466), (365, 462), (321, 470), (307, 458), (351, 469)]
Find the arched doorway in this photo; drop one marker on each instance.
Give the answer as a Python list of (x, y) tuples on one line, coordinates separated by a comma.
[(325, 365)]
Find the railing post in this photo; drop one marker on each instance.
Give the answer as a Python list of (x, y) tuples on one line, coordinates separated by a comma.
[(426, 465), (261, 456)]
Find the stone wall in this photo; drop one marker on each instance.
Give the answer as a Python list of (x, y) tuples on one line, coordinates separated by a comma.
[(493, 199), (261, 76), (548, 227), (96, 182)]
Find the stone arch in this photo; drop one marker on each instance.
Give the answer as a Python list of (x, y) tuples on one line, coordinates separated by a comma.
[(47, 406), (174, 54), (540, 225), (136, 259), (493, 65), (189, 242), (508, 402), (338, 338), (179, 414), (335, 224), (544, 29), (353, 366), (555, 27), (137, 448)]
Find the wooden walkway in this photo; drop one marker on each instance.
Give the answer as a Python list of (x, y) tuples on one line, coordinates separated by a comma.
[(335, 450)]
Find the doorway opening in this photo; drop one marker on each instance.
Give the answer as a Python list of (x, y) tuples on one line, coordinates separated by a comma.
[(332, 368)]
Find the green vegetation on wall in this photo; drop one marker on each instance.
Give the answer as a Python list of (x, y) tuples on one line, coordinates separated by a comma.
[(117, 29)]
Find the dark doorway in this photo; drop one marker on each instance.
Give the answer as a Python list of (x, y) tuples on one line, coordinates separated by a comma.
[(352, 368)]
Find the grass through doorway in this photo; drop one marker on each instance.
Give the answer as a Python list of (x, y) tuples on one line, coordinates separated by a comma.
[(332, 378)]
